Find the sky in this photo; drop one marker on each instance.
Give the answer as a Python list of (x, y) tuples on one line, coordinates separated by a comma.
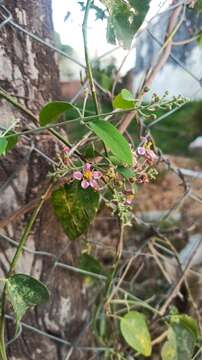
[(71, 30)]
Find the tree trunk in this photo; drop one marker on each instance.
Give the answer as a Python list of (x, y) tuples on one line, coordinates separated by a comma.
[(28, 71)]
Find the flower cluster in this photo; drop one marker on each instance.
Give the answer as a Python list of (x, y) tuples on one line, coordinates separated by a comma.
[(118, 183), (123, 202), (148, 154), (145, 159)]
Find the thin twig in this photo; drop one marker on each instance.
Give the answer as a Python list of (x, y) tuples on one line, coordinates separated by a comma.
[(89, 70), (173, 293), (167, 46)]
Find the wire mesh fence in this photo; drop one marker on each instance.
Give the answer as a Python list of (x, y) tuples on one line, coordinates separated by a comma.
[(185, 176)]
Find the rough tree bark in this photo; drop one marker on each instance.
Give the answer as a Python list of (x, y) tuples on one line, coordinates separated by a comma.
[(29, 71)]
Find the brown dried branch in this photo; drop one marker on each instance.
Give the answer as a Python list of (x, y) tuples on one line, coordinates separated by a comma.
[(175, 290), (163, 57)]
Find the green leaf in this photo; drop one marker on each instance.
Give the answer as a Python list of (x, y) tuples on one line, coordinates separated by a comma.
[(182, 336), (135, 332), (7, 143), (99, 13), (12, 141), (169, 351), (124, 100), (125, 18), (199, 39), (125, 172), (23, 292), (186, 321), (114, 160), (111, 37), (198, 5), (3, 145), (113, 140), (91, 264), (89, 152), (75, 208), (53, 110)]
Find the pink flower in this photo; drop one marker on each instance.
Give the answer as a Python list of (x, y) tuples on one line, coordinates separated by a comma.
[(141, 151), (129, 198), (88, 177), (142, 179), (150, 156), (143, 139), (66, 149)]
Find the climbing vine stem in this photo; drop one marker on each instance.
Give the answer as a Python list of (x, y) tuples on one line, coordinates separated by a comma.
[(88, 65)]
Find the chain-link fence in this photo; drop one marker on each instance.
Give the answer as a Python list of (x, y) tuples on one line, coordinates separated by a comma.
[(185, 176)]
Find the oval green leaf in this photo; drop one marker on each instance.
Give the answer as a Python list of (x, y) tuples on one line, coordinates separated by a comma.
[(12, 140), (182, 337), (23, 292), (187, 322), (124, 100), (53, 110), (125, 18), (75, 208), (126, 172), (135, 332), (3, 145), (113, 140), (169, 351), (91, 264)]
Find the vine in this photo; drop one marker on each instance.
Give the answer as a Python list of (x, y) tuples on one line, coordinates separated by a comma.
[(81, 183)]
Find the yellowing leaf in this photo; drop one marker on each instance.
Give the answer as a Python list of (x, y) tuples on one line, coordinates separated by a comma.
[(23, 292), (75, 208), (135, 332), (182, 336)]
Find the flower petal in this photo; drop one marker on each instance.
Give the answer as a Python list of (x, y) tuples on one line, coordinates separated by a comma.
[(129, 200), (141, 151), (66, 149), (85, 184), (150, 155), (77, 175), (97, 175), (94, 184), (87, 167)]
